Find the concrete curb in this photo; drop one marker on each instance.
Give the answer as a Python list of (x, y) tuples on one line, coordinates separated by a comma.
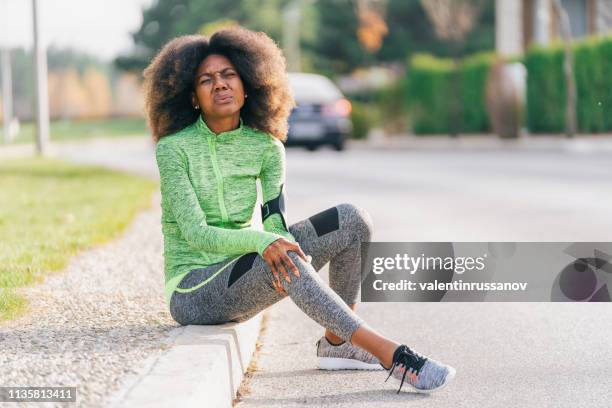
[(202, 366)]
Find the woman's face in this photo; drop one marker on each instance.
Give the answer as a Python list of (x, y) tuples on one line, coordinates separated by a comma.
[(218, 88)]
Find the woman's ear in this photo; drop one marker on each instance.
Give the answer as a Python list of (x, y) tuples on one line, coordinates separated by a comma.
[(194, 100)]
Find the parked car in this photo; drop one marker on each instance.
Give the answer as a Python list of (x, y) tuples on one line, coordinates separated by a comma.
[(322, 115)]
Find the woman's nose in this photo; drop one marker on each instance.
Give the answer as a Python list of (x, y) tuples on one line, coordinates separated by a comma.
[(217, 81)]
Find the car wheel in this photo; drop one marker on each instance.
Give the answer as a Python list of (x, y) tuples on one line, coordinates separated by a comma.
[(339, 146), (312, 147)]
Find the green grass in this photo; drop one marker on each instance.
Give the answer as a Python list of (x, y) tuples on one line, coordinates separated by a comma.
[(49, 210), (11, 304), (73, 130)]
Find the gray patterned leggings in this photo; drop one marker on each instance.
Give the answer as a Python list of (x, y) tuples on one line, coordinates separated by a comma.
[(244, 286)]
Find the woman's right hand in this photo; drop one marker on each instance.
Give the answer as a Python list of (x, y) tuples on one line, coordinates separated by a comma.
[(276, 257)]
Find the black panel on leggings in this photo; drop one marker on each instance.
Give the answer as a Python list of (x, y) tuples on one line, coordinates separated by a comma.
[(243, 264), (325, 221)]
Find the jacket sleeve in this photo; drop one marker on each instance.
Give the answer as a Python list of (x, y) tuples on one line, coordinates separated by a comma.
[(178, 194), (272, 178)]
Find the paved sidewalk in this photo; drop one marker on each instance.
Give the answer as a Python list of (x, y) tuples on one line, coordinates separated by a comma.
[(140, 150), (596, 143)]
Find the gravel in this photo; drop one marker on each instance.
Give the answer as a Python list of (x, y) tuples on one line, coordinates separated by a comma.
[(91, 324)]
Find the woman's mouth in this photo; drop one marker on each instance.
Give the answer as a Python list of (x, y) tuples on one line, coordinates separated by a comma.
[(224, 99)]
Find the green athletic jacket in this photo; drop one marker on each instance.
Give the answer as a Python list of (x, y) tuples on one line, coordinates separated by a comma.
[(208, 188)]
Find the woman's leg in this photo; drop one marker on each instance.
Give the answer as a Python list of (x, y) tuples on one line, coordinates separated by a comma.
[(335, 236), (237, 290), (242, 288)]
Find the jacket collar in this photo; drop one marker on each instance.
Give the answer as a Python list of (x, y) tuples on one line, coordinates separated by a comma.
[(203, 128)]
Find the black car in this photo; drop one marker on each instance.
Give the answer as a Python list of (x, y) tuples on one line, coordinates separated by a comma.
[(322, 115)]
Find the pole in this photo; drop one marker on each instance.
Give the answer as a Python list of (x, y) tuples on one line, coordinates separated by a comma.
[(5, 67), (291, 35), (542, 21), (40, 82), (7, 94), (568, 69)]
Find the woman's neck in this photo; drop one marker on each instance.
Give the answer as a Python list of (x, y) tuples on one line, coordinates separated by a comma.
[(225, 124)]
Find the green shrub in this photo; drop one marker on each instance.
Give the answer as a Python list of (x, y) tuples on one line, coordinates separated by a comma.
[(391, 107), (435, 85), (546, 90), (363, 117), (429, 84), (439, 93), (605, 104), (474, 72), (589, 86)]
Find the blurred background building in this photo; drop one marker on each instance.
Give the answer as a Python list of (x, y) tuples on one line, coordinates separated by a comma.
[(521, 23)]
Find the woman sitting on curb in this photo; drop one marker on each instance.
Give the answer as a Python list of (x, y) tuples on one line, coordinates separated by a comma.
[(218, 110)]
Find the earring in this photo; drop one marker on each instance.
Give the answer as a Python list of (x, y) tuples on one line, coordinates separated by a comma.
[(246, 96), (196, 107)]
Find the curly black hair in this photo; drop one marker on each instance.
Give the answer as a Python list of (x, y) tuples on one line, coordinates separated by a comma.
[(169, 81)]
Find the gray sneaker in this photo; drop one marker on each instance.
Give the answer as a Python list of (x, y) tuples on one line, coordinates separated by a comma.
[(424, 374), (344, 357)]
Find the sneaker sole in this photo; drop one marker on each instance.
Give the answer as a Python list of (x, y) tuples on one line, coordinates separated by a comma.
[(449, 378), (335, 363)]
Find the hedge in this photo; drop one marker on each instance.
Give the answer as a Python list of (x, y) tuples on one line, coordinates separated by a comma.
[(429, 82), (431, 91), (435, 88), (546, 86), (474, 71), (545, 98)]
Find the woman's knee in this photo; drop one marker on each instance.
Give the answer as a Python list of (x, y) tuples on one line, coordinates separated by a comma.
[(305, 268), (358, 218)]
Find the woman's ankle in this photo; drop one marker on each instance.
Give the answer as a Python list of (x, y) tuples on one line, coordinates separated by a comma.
[(334, 340), (375, 343)]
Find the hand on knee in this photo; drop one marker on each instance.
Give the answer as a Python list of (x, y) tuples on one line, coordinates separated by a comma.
[(282, 257)]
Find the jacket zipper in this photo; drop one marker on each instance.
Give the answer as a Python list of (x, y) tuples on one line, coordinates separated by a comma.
[(213, 153)]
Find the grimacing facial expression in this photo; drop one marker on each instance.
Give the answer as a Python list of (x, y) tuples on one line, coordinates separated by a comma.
[(218, 88)]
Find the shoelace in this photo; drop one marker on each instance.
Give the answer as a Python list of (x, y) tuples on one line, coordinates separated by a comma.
[(410, 360)]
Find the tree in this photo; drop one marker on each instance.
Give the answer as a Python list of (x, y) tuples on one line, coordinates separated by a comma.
[(411, 31), (336, 48), (453, 19), (372, 26), (166, 19), (336, 36)]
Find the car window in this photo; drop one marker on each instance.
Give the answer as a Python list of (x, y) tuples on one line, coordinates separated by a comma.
[(313, 88)]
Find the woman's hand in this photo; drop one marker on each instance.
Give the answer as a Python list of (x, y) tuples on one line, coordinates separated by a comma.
[(276, 257)]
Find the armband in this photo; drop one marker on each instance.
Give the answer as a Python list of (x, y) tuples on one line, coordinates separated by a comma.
[(275, 206)]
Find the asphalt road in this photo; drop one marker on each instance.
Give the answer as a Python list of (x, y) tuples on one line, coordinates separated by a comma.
[(506, 354)]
